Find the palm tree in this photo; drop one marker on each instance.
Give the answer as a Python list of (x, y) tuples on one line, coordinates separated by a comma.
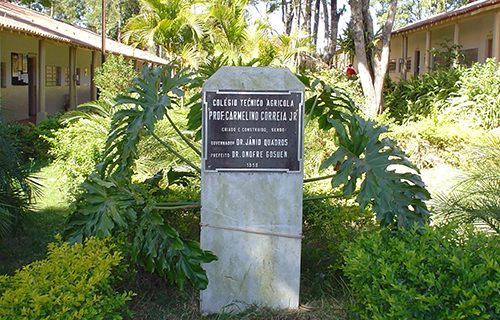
[(170, 24), (16, 187), (194, 32), (476, 199), (227, 25)]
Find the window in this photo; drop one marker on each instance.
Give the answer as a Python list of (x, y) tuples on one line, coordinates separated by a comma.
[(408, 64), (392, 65), (50, 76), (59, 76), (489, 48), (3, 75), (78, 75), (470, 56), (19, 69), (66, 76)]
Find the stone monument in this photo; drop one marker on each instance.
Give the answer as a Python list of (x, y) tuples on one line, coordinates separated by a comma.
[(251, 188)]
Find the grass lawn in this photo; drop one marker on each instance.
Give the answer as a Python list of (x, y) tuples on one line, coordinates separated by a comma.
[(49, 212)]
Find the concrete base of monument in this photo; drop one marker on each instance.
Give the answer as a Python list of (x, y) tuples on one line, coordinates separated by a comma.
[(251, 215), (257, 241)]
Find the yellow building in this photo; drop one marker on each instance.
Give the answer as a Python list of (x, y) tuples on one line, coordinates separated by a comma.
[(474, 27), (47, 66)]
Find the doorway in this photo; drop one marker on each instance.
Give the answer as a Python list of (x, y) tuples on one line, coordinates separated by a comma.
[(32, 86), (416, 66)]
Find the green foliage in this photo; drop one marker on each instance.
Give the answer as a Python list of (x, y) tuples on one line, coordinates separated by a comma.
[(74, 282), (463, 95), (431, 141), (114, 204), (76, 150), (409, 11), (330, 225), (434, 273), (447, 56), (397, 197), (421, 96), (16, 188), (114, 77), (476, 199), (153, 157), (31, 140), (477, 99)]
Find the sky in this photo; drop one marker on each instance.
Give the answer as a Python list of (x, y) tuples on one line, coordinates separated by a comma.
[(259, 13)]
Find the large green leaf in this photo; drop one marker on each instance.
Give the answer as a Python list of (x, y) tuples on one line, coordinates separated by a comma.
[(148, 101), (106, 208), (390, 183), (159, 248), (113, 204)]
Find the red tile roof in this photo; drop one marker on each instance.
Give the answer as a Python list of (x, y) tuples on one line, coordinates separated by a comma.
[(15, 18), (468, 9)]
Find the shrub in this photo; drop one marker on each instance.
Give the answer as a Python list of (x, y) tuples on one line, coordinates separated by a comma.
[(431, 273), (74, 282), (77, 149), (431, 141), (329, 226), (15, 186), (30, 140), (421, 96), (114, 204), (477, 99), (114, 77), (476, 199)]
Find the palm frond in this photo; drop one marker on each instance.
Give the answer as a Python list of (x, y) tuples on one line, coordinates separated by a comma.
[(475, 199)]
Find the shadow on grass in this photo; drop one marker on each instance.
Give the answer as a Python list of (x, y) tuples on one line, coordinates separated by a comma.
[(29, 243), (156, 299)]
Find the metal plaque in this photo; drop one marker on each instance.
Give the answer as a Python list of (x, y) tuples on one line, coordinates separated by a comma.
[(252, 131)]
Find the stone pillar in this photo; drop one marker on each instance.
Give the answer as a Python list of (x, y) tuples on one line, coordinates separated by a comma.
[(428, 57), (42, 111), (496, 37), (251, 216), (93, 65), (404, 56), (72, 77), (2, 78), (456, 41)]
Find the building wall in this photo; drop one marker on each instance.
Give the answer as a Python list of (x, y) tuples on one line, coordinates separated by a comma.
[(474, 33), (56, 96), (14, 98), (470, 39), (83, 62), (14, 105)]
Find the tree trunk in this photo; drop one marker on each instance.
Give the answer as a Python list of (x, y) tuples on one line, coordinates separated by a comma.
[(326, 19), (297, 8), (316, 22), (333, 32), (371, 65), (307, 17), (287, 12)]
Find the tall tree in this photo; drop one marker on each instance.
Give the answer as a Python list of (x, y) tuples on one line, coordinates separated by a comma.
[(332, 28), (87, 13), (372, 63), (409, 11)]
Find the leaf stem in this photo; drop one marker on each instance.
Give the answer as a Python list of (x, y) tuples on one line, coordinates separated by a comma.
[(323, 197), (183, 136), (177, 154), (318, 178)]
